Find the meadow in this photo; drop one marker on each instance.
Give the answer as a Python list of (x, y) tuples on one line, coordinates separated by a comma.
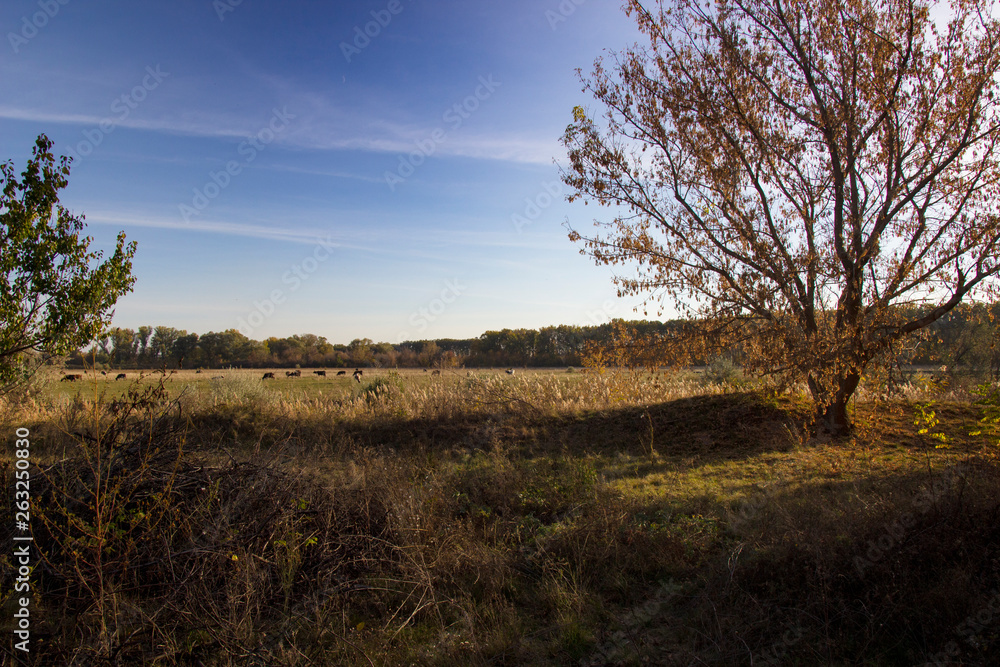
[(309, 385), (476, 518)]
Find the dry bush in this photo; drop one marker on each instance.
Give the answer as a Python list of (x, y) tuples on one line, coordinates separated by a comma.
[(150, 553)]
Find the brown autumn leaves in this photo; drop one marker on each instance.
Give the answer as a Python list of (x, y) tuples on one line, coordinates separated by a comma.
[(811, 181)]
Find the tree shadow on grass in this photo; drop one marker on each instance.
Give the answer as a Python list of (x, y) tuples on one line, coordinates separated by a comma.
[(904, 570), (716, 427)]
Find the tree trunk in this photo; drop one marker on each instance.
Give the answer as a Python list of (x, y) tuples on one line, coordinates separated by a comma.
[(833, 417), (831, 409)]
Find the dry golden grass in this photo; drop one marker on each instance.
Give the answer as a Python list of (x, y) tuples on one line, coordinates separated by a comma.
[(554, 518)]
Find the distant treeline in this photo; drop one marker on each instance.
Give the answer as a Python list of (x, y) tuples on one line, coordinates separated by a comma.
[(156, 347), (965, 338)]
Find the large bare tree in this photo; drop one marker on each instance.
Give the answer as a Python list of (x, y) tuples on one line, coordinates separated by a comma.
[(810, 173)]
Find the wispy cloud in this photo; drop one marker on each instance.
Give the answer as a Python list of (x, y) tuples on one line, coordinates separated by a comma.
[(214, 128), (484, 147), (272, 233), (465, 248), (317, 134), (324, 172)]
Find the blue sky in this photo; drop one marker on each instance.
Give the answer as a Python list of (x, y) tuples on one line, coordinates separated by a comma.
[(283, 172)]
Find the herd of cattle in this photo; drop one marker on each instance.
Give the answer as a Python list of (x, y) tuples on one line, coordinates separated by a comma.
[(358, 374), (73, 377)]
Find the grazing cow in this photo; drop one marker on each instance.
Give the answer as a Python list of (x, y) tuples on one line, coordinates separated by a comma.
[(341, 372), (425, 370), (358, 373), (197, 371), (293, 374), (120, 376), (104, 373), (268, 376), (510, 371), (322, 374), (436, 372), (71, 377)]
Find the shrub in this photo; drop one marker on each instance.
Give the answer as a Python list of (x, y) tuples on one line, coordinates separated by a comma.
[(723, 370), (385, 386), (240, 389)]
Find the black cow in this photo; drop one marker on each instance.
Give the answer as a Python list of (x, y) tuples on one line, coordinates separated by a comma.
[(322, 374), (358, 373), (341, 372), (71, 377), (268, 376), (120, 376), (293, 374)]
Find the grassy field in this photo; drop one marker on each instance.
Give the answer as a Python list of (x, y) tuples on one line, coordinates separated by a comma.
[(550, 517), (308, 385)]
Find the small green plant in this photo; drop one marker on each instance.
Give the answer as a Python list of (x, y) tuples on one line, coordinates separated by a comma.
[(926, 420), (989, 403), (289, 554)]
